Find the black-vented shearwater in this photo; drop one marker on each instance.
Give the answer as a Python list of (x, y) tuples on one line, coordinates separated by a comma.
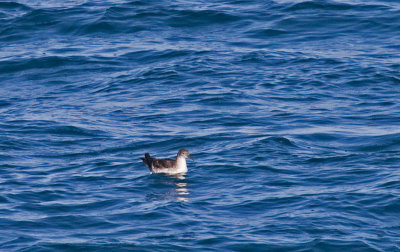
[(169, 166)]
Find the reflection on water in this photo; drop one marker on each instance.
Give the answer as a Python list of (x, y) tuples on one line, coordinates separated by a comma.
[(161, 187), (181, 187), (182, 191)]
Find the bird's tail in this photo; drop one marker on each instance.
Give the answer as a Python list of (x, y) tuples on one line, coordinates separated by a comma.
[(147, 160)]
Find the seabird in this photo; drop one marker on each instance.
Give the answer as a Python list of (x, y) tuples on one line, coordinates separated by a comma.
[(169, 166)]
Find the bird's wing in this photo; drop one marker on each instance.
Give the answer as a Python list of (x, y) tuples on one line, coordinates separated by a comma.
[(163, 163)]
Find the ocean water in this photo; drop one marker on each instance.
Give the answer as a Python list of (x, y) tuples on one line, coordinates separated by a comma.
[(289, 107)]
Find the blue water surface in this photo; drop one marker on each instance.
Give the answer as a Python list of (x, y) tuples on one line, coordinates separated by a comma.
[(289, 107)]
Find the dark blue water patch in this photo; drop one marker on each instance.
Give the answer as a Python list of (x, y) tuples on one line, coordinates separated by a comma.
[(12, 6), (389, 184), (123, 19), (9, 10), (3, 200), (151, 56), (379, 143), (5, 104), (33, 20), (271, 143), (317, 5), (43, 62), (53, 208), (318, 243), (191, 19), (13, 243), (38, 19), (56, 130), (266, 33), (63, 222), (71, 130), (104, 246)]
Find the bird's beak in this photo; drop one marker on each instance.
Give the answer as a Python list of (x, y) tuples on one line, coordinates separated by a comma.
[(190, 157)]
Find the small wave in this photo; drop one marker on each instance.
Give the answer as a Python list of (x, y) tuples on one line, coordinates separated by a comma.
[(49, 127), (34, 197), (319, 5), (277, 140), (13, 6), (390, 142), (73, 131), (60, 130), (189, 18), (3, 200), (150, 56), (262, 57), (15, 243), (5, 104), (69, 222), (45, 62), (333, 159), (254, 206), (11, 10), (59, 206), (341, 244), (322, 137), (392, 183), (32, 20), (75, 244), (98, 27), (266, 33)]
